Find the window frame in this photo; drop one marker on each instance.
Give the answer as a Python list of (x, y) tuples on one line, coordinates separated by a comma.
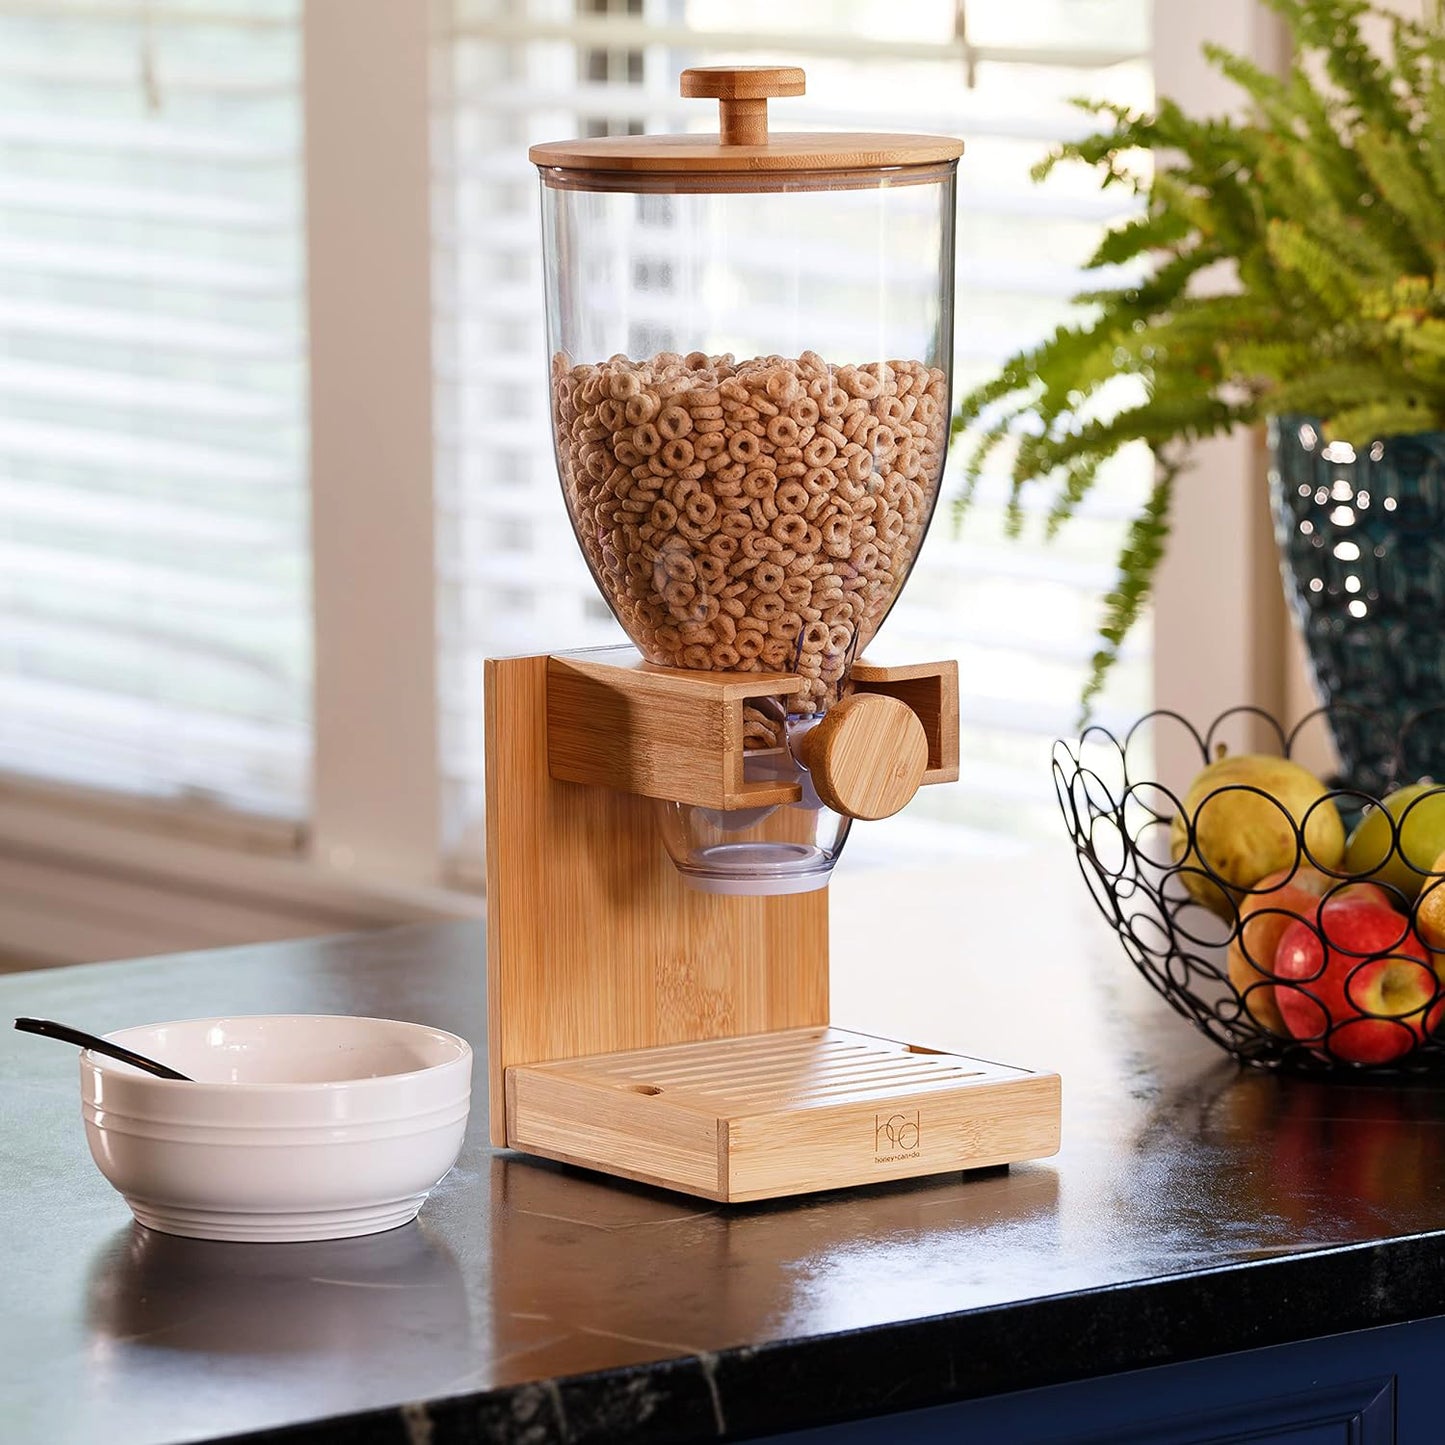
[(376, 805)]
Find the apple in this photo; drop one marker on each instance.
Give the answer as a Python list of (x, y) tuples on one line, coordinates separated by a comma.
[(1269, 908), (1396, 843), (1365, 982), (1242, 820)]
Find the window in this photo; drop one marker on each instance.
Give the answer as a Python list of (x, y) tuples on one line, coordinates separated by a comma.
[(154, 607)]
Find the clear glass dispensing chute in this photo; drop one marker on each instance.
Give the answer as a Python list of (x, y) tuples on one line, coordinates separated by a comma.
[(751, 339)]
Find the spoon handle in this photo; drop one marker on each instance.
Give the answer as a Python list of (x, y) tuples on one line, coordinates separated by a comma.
[(47, 1028)]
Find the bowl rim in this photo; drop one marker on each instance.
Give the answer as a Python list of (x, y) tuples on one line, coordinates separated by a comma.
[(101, 1064)]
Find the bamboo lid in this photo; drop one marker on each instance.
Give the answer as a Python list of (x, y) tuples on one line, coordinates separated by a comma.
[(745, 155)]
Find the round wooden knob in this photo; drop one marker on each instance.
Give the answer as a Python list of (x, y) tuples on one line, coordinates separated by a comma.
[(867, 756), (742, 93)]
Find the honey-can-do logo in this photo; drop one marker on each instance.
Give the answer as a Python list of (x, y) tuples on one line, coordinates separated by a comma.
[(896, 1136)]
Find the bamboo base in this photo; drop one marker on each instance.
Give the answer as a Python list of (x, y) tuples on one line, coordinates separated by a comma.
[(680, 1038), (782, 1113)]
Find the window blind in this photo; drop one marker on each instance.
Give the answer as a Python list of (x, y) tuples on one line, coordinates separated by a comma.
[(1019, 616), (154, 581)]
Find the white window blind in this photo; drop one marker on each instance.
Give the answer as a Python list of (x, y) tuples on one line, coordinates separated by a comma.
[(154, 581), (1020, 617)]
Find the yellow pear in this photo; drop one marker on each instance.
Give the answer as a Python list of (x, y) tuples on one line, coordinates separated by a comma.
[(1240, 836), (1395, 842)]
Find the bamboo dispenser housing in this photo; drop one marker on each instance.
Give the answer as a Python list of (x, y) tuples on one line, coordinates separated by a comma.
[(750, 432)]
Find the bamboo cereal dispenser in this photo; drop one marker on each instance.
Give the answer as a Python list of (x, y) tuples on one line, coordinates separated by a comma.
[(750, 431)]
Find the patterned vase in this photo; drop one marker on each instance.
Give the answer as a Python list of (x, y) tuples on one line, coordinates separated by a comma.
[(1362, 546)]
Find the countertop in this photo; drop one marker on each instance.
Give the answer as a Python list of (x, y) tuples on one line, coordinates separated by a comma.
[(1193, 1210)]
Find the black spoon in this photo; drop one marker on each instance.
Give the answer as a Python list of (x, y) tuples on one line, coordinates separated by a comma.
[(50, 1030)]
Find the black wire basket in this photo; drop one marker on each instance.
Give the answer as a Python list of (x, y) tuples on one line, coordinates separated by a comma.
[(1277, 970)]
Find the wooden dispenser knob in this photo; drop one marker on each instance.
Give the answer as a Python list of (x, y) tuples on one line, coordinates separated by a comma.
[(742, 93), (867, 756)]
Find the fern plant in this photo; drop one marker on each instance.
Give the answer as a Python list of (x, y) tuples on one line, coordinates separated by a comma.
[(1327, 212)]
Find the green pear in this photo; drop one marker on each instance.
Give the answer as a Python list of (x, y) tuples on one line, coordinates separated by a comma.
[(1398, 843), (1241, 837)]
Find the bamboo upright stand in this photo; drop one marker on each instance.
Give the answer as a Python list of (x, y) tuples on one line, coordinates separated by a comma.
[(680, 1038)]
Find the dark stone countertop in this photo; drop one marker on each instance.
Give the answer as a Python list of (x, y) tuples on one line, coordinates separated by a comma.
[(1193, 1210)]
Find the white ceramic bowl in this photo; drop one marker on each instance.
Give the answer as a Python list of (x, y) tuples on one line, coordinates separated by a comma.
[(297, 1127)]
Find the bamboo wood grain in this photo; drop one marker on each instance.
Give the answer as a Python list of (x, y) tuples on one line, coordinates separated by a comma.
[(838, 151), (741, 82), (782, 1113), (673, 1148), (742, 93), (746, 155), (867, 756), (594, 943), (615, 721), (931, 690)]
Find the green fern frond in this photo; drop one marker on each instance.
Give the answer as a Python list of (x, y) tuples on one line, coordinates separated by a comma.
[(1138, 562), (1394, 164), (1080, 475), (1326, 212), (1420, 334), (1361, 425), (1331, 283), (1432, 126), (1332, 29), (1345, 239), (1325, 390), (1137, 238), (1338, 163), (1269, 361)]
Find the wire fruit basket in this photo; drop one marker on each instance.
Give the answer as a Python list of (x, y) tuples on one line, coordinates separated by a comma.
[(1332, 962)]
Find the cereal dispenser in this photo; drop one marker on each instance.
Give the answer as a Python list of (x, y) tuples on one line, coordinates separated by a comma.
[(750, 338)]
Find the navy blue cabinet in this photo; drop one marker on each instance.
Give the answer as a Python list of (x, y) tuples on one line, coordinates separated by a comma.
[(1374, 1387)]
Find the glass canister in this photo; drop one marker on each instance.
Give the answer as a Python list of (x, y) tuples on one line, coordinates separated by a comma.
[(751, 340)]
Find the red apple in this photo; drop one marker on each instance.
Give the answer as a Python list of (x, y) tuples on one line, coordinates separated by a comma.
[(1308, 879), (1266, 911), (1365, 982)]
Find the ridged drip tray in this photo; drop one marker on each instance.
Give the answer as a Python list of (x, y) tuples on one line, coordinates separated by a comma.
[(781, 1113)]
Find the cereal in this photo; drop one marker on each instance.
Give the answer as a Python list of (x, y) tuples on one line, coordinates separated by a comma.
[(751, 516), (759, 731)]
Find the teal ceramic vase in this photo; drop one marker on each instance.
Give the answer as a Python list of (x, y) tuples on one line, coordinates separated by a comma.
[(1362, 546)]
